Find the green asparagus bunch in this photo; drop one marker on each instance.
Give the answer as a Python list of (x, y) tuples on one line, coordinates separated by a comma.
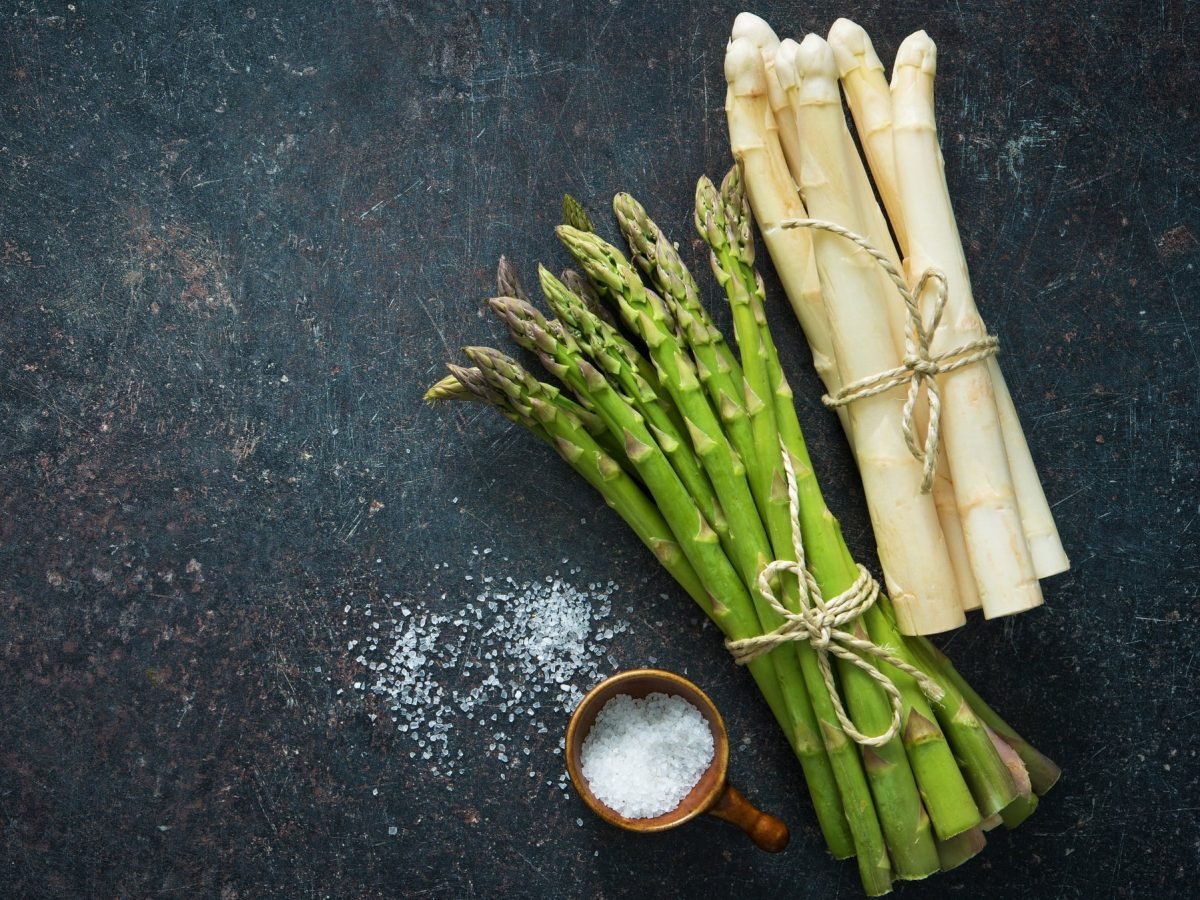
[(700, 451)]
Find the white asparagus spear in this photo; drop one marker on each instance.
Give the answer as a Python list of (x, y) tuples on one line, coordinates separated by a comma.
[(749, 26), (987, 504), (911, 547), (875, 229), (870, 102)]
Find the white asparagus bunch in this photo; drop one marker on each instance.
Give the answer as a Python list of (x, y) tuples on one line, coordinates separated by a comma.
[(986, 534), (870, 100)]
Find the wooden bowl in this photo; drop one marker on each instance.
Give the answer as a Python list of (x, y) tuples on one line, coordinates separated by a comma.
[(712, 794)]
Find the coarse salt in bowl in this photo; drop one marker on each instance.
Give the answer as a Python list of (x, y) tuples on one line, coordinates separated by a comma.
[(643, 756)]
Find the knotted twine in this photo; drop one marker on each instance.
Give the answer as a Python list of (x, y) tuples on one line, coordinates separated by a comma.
[(918, 367), (817, 621)]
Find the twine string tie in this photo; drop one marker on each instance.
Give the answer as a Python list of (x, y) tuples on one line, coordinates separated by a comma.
[(818, 621), (918, 368)]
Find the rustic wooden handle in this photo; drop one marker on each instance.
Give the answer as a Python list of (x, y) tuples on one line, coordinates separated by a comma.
[(767, 832)]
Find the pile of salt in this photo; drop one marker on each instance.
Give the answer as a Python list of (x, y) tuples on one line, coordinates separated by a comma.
[(642, 757)]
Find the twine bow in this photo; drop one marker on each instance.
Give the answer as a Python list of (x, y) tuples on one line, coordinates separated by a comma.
[(918, 366), (818, 622)]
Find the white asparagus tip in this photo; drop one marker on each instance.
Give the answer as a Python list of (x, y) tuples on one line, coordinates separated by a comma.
[(744, 69), (755, 28), (785, 63), (852, 47), (816, 71), (917, 51)]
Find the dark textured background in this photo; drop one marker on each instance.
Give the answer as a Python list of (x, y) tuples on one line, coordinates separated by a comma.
[(237, 243)]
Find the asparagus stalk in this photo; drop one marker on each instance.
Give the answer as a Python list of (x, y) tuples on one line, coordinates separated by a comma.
[(578, 285), (584, 298), (975, 447), (754, 140), (719, 371), (645, 313), (912, 549), (763, 36), (870, 104), (658, 259)]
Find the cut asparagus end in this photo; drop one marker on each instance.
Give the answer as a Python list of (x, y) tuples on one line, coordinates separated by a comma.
[(1019, 810), (955, 851)]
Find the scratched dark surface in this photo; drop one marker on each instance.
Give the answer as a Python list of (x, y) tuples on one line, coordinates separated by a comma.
[(238, 242)]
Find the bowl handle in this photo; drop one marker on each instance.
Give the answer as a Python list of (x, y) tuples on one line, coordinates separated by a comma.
[(768, 832)]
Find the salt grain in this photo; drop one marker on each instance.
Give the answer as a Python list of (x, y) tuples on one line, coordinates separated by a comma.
[(643, 756), (437, 664)]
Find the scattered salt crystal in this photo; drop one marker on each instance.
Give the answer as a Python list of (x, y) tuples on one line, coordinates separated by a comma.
[(509, 654), (643, 756)]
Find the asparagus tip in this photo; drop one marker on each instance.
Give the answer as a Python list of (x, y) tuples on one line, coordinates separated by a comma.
[(814, 61), (755, 28), (852, 47), (916, 51), (785, 63), (444, 389), (575, 215), (744, 68)]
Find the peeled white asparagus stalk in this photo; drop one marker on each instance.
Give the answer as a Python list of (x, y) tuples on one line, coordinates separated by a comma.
[(912, 550), (754, 141), (874, 227), (870, 102), (983, 486), (755, 29)]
